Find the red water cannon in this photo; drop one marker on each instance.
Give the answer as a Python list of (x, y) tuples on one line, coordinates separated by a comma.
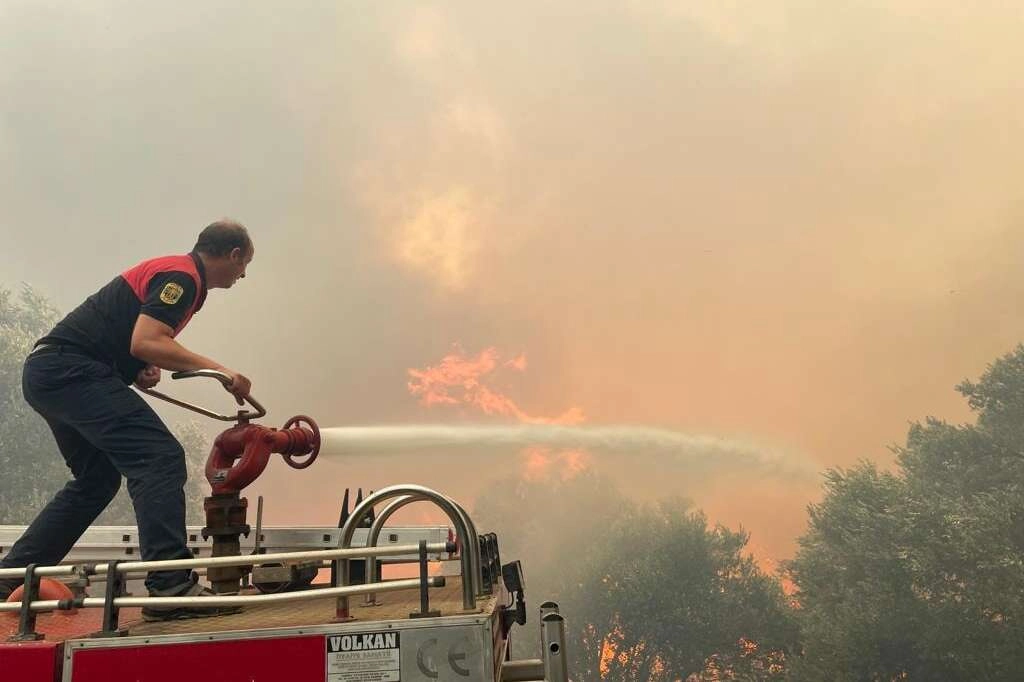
[(239, 456), (241, 453)]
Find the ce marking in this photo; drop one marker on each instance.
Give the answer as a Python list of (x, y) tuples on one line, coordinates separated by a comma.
[(456, 656)]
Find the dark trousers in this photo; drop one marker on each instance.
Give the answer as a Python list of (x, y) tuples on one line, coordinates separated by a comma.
[(104, 430)]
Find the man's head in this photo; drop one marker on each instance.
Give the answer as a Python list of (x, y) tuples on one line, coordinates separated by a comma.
[(226, 250)]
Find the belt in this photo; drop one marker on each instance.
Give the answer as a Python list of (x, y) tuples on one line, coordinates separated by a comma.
[(44, 348)]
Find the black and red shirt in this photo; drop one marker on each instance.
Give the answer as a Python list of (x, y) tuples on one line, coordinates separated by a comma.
[(170, 289)]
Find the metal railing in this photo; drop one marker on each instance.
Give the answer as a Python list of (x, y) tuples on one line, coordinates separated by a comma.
[(472, 577), (378, 525), (116, 571), (43, 605), (221, 561)]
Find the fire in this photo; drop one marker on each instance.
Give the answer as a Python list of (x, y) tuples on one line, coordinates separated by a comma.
[(623, 659), (536, 464), (460, 380), (610, 649), (747, 661), (540, 463)]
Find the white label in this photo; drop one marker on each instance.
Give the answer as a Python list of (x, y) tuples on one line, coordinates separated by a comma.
[(364, 657)]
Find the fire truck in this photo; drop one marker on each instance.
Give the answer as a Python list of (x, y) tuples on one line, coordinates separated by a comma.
[(313, 604)]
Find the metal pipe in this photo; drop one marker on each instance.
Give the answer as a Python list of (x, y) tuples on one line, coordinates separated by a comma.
[(247, 576), (526, 670), (42, 571), (478, 574), (259, 525), (305, 595), (469, 537), (469, 567), (341, 553), (378, 525), (246, 560), (547, 608), (374, 534), (556, 668)]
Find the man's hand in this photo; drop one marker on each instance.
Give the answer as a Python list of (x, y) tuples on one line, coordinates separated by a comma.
[(148, 377), (239, 386), (153, 342)]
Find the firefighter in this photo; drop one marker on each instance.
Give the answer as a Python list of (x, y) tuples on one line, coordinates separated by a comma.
[(78, 378)]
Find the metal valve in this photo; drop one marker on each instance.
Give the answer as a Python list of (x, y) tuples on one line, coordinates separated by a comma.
[(239, 455)]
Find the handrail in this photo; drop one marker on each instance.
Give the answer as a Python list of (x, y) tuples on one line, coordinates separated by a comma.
[(244, 560), (471, 569), (225, 600), (378, 525)]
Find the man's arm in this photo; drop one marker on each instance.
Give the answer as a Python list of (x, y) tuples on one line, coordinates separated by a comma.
[(153, 343)]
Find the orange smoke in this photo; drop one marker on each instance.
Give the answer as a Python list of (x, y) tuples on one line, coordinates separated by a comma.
[(460, 380), (517, 362)]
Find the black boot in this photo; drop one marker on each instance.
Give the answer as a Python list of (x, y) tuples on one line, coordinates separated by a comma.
[(159, 613)]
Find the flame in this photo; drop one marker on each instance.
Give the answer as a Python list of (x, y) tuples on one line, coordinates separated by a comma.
[(746, 659), (536, 464), (620, 659), (614, 650), (462, 380), (459, 380), (540, 463), (610, 649), (575, 463)]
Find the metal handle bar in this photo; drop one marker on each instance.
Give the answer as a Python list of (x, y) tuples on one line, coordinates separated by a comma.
[(228, 600), (125, 567), (241, 415)]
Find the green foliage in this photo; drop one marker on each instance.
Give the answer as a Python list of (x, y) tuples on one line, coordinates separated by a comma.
[(31, 468), (547, 524), (920, 574), (648, 593), (673, 592)]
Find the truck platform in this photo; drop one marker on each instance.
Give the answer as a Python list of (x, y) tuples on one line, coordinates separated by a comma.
[(421, 629)]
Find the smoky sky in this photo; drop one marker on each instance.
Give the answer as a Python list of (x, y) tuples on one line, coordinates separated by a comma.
[(789, 223)]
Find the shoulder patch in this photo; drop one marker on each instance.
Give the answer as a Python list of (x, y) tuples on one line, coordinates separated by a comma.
[(171, 293)]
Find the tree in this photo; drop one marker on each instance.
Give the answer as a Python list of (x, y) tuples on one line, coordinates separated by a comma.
[(858, 612), (31, 468), (29, 464), (920, 573), (648, 593), (548, 524), (672, 593)]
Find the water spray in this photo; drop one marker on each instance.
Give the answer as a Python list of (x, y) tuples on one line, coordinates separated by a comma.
[(472, 439)]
